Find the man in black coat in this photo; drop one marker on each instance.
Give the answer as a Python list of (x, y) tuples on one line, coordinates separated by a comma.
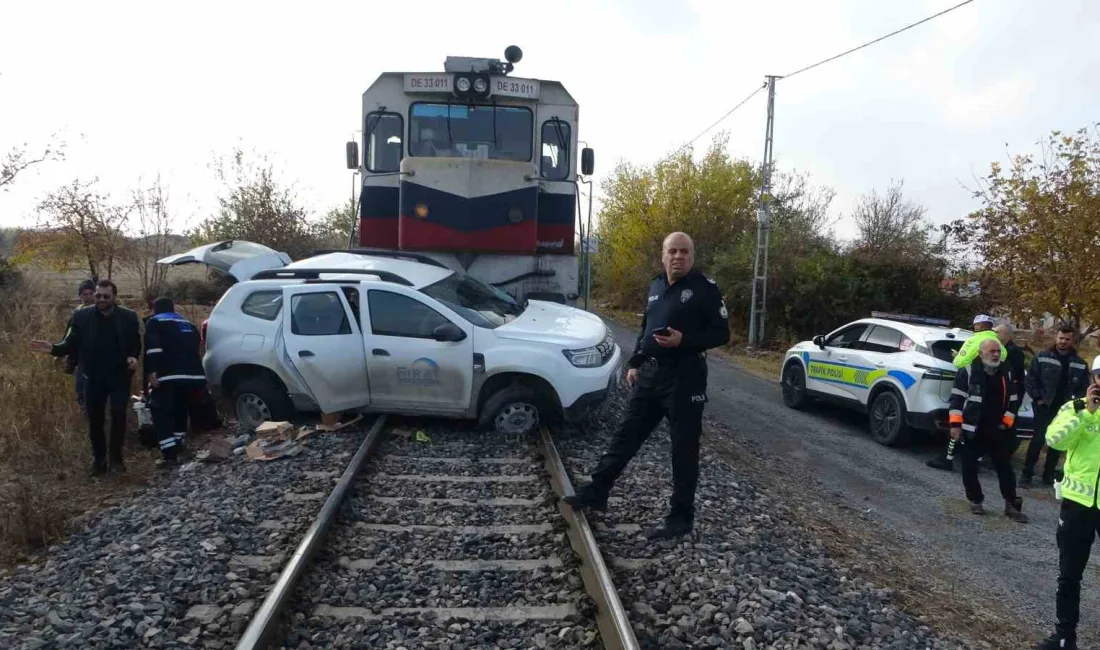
[(107, 342), (1057, 375)]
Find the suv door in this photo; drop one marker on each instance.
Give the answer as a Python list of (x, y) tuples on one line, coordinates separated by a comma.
[(830, 371), (325, 346), (409, 370)]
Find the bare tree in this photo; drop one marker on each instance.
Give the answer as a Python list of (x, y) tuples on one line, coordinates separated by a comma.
[(890, 224), (152, 236), (78, 221)]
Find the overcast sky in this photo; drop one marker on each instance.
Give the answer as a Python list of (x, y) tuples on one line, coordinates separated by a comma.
[(137, 88)]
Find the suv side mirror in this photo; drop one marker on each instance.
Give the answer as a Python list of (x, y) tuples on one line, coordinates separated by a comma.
[(351, 152), (448, 333), (588, 161), (819, 341)]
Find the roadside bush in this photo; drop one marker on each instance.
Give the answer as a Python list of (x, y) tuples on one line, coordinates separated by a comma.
[(10, 277)]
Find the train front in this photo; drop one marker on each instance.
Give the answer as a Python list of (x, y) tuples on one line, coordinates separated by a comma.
[(473, 165)]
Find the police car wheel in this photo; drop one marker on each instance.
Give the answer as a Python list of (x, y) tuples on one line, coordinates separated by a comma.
[(794, 386), (887, 419), (256, 401), (515, 410)]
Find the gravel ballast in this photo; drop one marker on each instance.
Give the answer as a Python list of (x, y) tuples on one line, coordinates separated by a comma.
[(747, 577), (174, 567)]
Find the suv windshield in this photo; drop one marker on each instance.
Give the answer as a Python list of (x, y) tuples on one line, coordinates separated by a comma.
[(481, 304)]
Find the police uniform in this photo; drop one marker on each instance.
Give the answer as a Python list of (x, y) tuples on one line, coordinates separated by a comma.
[(172, 352), (672, 383)]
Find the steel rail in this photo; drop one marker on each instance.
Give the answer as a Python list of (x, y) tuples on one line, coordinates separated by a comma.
[(264, 623), (611, 617)]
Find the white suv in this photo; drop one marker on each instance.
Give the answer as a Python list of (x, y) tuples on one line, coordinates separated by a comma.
[(394, 332), (896, 368)]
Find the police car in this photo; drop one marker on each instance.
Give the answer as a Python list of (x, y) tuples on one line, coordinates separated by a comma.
[(394, 332), (897, 368)]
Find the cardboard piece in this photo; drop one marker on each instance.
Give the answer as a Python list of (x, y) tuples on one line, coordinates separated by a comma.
[(263, 450), (310, 430), (274, 431)]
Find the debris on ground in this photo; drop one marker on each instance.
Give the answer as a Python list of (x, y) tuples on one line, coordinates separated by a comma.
[(326, 428), (275, 431), (264, 450)]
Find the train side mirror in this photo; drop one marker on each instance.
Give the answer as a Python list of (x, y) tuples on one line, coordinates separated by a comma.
[(351, 152), (588, 161)]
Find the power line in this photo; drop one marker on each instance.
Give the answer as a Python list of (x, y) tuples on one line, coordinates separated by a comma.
[(716, 122), (881, 38)]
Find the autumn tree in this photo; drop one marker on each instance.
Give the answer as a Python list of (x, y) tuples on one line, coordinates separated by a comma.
[(78, 221), (889, 224), (337, 228), (256, 206), (152, 235), (1037, 230)]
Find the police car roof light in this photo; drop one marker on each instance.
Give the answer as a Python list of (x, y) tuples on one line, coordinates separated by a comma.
[(910, 318)]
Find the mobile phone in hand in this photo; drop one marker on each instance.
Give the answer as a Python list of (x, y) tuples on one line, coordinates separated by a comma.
[(662, 331)]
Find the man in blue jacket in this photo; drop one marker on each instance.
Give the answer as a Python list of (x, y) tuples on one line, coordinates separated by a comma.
[(173, 369)]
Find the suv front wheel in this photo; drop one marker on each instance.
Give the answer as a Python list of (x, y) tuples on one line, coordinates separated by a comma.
[(257, 400), (515, 410)]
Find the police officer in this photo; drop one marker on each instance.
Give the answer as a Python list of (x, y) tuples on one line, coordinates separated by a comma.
[(1075, 429), (173, 368), (1058, 375), (685, 316)]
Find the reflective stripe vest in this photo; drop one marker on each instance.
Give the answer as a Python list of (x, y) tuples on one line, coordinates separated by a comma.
[(969, 390), (972, 346), (1077, 432)]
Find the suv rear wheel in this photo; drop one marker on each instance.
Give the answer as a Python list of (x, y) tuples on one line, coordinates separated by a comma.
[(514, 410), (257, 400), (887, 416)]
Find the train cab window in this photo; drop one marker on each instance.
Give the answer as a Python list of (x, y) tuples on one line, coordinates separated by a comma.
[(460, 131), (384, 132), (555, 150)]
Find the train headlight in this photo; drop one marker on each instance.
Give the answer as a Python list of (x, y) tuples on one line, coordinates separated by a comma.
[(480, 85), (515, 215), (421, 210), (463, 84)]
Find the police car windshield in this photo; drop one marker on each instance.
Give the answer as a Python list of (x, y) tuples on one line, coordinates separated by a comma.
[(480, 303)]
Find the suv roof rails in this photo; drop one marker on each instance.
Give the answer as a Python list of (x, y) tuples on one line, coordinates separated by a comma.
[(382, 252), (314, 274), (910, 318)]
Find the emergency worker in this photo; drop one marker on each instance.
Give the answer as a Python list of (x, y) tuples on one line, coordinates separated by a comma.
[(685, 316), (1057, 376), (983, 411), (173, 370), (107, 340), (1075, 430)]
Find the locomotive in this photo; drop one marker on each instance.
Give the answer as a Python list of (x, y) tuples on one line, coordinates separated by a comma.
[(477, 170)]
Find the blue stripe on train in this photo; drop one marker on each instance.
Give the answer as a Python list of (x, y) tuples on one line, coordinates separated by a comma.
[(379, 202), (468, 214), (557, 209)]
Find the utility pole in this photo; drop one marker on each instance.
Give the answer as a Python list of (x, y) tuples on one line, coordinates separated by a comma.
[(758, 313)]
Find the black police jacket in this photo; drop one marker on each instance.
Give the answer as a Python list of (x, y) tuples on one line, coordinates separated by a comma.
[(1046, 368), (172, 350), (692, 306)]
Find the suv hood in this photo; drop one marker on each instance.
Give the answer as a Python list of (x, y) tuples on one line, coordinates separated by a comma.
[(551, 322), (237, 258)]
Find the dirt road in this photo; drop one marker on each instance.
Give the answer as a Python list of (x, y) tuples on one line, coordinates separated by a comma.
[(1011, 566)]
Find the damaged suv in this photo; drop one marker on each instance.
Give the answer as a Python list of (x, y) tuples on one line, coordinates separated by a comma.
[(394, 332)]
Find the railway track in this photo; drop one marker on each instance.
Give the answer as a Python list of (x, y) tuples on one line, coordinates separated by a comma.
[(460, 539)]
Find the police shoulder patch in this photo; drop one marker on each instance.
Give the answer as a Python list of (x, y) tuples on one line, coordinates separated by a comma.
[(710, 279), (722, 311)]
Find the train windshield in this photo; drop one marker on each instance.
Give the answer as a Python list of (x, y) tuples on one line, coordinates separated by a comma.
[(460, 131)]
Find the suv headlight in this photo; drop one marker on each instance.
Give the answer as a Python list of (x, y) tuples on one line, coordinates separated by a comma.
[(584, 358)]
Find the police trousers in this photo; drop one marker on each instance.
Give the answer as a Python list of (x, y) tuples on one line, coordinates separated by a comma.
[(1043, 416), (1078, 525), (169, 404), (676, 391)]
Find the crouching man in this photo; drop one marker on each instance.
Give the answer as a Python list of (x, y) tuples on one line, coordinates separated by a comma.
[(173, 369)]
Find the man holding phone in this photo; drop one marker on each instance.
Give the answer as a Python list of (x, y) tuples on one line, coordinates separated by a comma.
[(1075, 430), (685, 316)]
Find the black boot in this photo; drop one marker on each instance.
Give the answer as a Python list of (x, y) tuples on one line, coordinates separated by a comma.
[(1057, 641), (99, 468), (672, 527), (941, 463), (588, 496)]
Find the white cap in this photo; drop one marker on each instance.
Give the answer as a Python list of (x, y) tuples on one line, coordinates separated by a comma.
[(1096, 364), (982, 318)]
